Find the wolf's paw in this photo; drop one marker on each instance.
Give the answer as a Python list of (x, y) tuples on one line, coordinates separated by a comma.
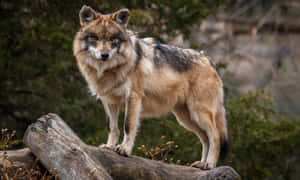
[(202, 165), (120, 149), (107, 146)]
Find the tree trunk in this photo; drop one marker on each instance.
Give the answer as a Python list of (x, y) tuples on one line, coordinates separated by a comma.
[(58, 147)]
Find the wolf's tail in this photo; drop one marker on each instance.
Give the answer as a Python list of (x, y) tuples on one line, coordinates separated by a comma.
[(223, 131)]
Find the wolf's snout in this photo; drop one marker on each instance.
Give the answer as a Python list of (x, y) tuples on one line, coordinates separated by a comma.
[(104, 56)]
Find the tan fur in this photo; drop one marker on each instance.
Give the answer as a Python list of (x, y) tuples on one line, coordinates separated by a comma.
[(194, 96)]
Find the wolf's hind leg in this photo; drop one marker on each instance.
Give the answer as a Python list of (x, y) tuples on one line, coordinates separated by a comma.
[(205, 119), (184, 118), (112, 112)]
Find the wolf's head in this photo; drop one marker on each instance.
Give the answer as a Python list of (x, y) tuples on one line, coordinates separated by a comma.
[(102, 36)]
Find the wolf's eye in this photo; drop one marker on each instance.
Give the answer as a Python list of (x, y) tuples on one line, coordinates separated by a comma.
[(115, 40), (92, 38)]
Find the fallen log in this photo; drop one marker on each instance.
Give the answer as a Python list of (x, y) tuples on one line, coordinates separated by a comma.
[(60, 149), (22, 158)]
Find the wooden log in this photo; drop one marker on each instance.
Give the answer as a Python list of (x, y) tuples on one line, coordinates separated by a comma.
[(22, 158), (116, 166), (59, 148)]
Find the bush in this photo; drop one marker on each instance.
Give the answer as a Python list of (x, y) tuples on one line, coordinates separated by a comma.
[(261, 139)]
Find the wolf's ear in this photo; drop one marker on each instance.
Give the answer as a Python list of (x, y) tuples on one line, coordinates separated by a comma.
[(122, 17), (86, 15)]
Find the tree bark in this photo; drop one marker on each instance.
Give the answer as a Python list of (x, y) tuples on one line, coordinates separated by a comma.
[(59, 148)]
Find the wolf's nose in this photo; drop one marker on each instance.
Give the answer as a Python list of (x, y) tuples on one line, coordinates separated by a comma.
[(104, 56)]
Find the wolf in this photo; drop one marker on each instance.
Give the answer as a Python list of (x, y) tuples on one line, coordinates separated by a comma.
[(144, 78)]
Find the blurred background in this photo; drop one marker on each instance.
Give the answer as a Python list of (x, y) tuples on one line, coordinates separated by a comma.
[(255, 44)]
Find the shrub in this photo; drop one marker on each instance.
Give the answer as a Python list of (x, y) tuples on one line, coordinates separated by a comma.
[(261, 139)]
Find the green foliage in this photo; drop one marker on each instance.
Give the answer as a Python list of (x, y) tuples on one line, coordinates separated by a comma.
[(262, 140), (39, 75), (158, 17)]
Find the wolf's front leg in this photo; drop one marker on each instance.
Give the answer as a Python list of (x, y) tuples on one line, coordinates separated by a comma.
[(131, 123), (112, 112)]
